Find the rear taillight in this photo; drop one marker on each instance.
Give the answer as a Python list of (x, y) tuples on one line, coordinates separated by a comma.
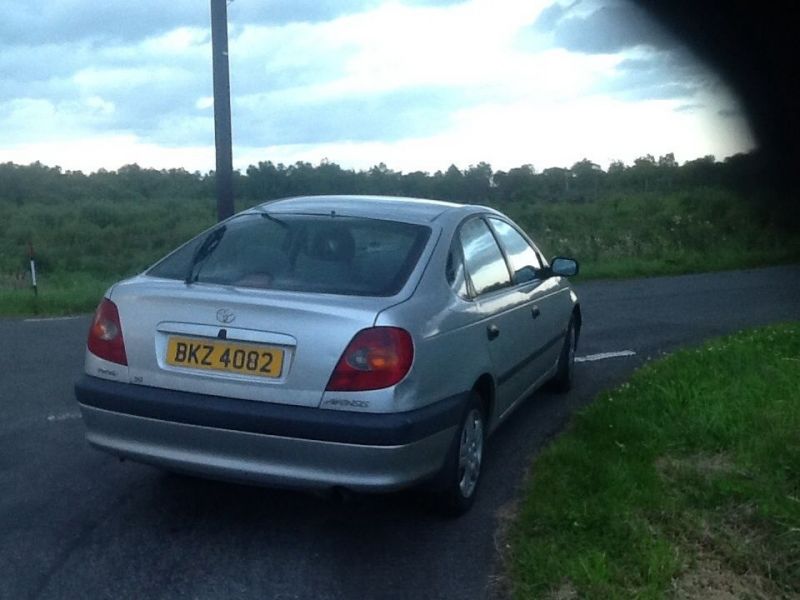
[(376, 358), (105, 334)]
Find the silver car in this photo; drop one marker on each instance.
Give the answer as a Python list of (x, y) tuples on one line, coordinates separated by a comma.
[(364, 343)]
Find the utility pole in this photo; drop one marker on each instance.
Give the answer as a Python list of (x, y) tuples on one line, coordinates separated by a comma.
[(222, 108)]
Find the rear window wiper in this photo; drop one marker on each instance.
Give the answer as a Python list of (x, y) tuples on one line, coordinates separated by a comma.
[(203, 252)]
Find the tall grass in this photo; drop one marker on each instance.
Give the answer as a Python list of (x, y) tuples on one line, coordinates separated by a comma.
[(83, 246), (704, 230), (95, 237)]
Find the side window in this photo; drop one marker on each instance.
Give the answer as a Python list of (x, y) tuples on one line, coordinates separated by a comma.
[(519, 251), (482, 257)]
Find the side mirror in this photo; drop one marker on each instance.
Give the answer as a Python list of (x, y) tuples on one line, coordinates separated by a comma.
[(564, 267), (525, 274)]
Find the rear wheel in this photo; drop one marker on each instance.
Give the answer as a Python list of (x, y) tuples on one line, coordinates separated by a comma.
[(462, 470), (565, 371)]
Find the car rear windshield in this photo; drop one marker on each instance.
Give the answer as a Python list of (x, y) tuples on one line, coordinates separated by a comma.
[(301, 253)]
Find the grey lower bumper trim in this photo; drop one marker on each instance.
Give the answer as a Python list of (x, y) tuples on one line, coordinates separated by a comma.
[(349, 427), (265, 459)]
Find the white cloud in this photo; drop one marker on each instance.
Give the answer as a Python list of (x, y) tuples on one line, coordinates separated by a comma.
[(204, 103), (100, 105), (128, 78), (416, 86), (90, 153), (397, 46), (600, 128), (550, 135)]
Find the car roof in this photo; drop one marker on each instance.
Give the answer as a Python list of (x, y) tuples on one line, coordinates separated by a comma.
[(377, 207)]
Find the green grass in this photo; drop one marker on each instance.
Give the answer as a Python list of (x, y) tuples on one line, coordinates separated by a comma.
[(626, 236), (684, 263), (684, 482), (62, 295), (83, 246)]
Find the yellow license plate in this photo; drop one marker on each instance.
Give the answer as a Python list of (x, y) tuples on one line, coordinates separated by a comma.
[(222, 355)]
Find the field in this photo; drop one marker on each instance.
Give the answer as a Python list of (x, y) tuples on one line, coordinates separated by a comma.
[(82, 246)]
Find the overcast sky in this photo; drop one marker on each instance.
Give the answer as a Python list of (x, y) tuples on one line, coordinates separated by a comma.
[(416, 84)]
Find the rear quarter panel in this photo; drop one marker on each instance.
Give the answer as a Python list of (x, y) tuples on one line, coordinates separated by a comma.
[(450, 351)]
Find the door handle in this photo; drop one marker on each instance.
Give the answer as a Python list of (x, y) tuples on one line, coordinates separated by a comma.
[(535, 312), (492, 331)]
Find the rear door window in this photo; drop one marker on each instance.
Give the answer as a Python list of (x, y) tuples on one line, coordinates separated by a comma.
[(483, 259), (519, 252)]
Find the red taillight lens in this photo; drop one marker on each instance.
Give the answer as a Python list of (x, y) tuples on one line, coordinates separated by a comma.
[(376, 358), (105, 334)]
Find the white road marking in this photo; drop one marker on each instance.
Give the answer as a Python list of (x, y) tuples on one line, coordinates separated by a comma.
[(42, 319), (63, 417), (604, 356)]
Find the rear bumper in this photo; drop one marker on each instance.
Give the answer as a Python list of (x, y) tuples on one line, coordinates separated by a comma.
[(267, 444)]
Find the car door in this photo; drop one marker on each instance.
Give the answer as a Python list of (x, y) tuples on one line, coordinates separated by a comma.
[(547, 303), (502, 310)]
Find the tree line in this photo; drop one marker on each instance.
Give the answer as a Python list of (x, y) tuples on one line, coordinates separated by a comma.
[(585, 181)]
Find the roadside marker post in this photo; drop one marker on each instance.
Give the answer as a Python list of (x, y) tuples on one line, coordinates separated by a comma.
[(33, 268)]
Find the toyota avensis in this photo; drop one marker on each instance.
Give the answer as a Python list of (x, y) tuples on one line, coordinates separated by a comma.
[(363, 343)]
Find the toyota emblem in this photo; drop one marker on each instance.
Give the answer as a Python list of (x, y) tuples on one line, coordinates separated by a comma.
[(225, 315)]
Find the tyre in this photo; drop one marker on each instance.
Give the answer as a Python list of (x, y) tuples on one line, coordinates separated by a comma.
[(565, 371), (461, 474)]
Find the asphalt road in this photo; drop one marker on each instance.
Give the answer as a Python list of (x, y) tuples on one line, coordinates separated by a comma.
[(77, 523)]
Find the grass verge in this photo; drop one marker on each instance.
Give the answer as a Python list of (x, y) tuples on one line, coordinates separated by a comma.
[(80, 292), (683, 482), (63, 295)]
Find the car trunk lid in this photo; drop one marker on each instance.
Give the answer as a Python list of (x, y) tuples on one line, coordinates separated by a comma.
[(304, 333)]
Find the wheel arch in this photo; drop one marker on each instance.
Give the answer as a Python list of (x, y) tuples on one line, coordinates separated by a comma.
[(485, 386), (578, 320)]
